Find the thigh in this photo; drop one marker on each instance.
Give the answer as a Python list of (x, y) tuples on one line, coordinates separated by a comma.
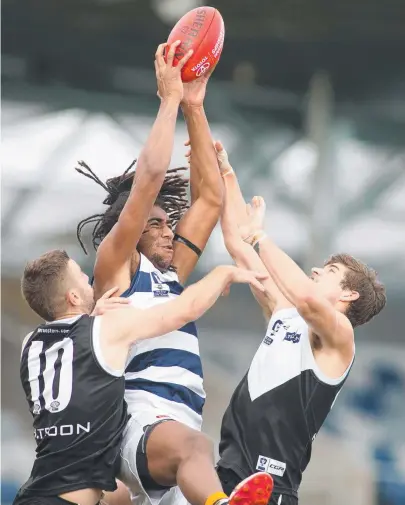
[(134, 468), (167, 445)]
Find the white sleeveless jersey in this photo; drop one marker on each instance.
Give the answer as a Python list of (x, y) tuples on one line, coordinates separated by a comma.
[(164, 374), (285, 353), (279, 406)]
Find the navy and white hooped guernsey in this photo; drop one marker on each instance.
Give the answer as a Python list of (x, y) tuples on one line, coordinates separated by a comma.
[(164, 374)]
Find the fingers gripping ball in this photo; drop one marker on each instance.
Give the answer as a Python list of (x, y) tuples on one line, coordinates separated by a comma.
[(203, 31)]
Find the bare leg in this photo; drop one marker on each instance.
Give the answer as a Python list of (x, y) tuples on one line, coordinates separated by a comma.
[(119, 497), (180, 455)]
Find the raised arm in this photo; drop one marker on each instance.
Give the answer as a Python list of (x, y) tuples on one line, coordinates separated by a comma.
[(234, 213), (130, 325), (195, 227), (195, 178), (330, 325), (118, 247)]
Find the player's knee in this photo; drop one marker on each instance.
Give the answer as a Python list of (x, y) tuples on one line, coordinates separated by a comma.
[(196, 444), (177, 448)]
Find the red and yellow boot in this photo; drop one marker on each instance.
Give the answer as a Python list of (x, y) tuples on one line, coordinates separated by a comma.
[(255, 490)]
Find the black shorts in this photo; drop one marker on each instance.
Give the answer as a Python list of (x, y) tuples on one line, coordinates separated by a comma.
[(42, 500), (230, 480)]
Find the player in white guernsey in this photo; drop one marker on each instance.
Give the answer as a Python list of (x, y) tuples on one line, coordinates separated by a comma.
[(139, 252), (306, 354)]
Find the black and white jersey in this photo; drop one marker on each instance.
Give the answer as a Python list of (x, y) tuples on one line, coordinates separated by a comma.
[(78, 408), (278, 407)]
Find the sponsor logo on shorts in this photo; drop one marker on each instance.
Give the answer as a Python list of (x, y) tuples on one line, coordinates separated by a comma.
[(269, 465), (262, 463)]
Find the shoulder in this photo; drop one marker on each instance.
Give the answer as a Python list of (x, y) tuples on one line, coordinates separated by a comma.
[(283, 313), (344, 332), (116, 325), (144, 264), (108, 269), (25, 341)]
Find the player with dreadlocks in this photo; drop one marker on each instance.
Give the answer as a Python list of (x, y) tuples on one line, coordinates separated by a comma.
[(138, 252), (172, 198)]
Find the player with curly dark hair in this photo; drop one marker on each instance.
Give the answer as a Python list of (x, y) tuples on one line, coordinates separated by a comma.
[(138, 251)]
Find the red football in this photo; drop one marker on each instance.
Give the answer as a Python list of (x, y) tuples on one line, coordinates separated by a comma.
[(203, 31)]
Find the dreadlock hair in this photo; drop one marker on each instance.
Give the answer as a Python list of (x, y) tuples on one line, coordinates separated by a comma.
[(172, 198)]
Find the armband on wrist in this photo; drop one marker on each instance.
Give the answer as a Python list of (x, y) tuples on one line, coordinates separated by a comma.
[(227, 171), (255, 238)]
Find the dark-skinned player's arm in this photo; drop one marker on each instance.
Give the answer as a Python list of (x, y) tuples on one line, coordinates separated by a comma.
[(331, 326), (195, 177), (195, 227), (234, 212), (117, 248), (130, 324)]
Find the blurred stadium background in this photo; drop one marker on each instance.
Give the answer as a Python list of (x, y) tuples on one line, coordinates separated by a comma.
[(309, 100)]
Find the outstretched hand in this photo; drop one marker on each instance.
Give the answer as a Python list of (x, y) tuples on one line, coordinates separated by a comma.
[(243, 276), (194, 91), (254, 222), (109, 302), (222, 156), (168, 76)]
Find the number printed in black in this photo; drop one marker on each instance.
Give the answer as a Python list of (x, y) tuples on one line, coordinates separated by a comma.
[(54, 384)]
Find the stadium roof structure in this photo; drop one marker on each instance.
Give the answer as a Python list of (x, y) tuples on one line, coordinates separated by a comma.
[(360, 43)]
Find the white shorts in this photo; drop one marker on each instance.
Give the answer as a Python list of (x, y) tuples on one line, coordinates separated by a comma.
[(129, 472)]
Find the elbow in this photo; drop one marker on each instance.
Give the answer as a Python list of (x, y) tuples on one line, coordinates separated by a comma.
[(213, 196), (156, 172), (154, 168), (214, 202), (186, 307), (192, 312), (194, 315), (231, 244), (217, 198)]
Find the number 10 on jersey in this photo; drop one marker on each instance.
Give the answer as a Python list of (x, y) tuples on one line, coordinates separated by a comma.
[(51, 383)]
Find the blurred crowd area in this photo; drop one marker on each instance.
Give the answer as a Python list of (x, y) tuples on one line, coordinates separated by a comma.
[(309, 101)]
